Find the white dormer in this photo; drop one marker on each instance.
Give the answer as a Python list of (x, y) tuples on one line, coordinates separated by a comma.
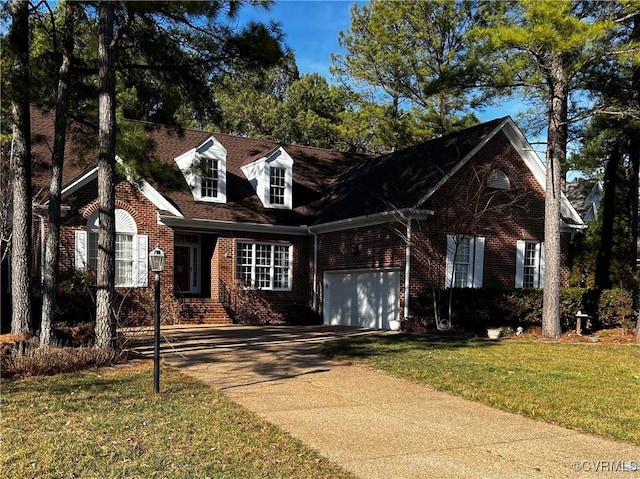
[(205, 170), (272, 178)]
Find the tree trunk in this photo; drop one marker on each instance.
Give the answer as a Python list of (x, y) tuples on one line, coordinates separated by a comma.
[(105, 321), (634, 160), (634, 156), (556, 153), (20, 171), (603, 260), (52, 248)]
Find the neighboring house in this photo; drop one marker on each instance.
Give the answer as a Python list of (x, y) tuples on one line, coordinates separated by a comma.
[(351, 237), (585, 197)]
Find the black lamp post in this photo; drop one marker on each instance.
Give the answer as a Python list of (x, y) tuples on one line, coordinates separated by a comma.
[(156, 263)]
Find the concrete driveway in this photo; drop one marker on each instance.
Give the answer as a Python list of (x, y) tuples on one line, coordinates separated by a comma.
[(374, 425)]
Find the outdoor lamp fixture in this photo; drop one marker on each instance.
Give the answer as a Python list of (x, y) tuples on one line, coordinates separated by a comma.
[(156, 263)]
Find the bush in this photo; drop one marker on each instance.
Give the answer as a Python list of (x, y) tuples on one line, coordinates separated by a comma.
[(74, 300), (27, 360), (614, 308), (474, 310), (300, 315)]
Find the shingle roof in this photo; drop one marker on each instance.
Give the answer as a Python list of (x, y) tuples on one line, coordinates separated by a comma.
[(400, 179), (327, 185), (314, 171)]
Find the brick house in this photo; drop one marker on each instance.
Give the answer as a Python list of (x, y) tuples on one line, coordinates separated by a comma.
[(252, 227)]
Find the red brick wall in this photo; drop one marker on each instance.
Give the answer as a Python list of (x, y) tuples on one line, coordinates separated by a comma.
[(467, 206), (374, 247), (463, 206), (281, 302), (84, 204)]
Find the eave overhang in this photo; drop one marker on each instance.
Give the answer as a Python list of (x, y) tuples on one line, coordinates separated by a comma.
[(370, 220)]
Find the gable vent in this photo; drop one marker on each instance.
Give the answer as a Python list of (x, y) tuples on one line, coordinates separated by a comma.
[(498, 179)]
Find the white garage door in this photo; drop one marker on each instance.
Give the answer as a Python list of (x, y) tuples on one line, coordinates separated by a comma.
[(368, 299)]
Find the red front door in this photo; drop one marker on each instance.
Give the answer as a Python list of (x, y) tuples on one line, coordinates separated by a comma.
[(181, 269)]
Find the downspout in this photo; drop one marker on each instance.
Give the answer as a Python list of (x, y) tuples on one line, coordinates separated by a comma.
[(407, 270), (315, 270)]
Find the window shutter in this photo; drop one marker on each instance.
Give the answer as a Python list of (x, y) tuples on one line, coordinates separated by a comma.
[(478, 262), (520, 247), (540, 254), (81, 250), (141, 261), (451, 253)]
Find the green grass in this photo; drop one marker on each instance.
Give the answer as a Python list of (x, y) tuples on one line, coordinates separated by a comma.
[(592, 388), (108, 424)]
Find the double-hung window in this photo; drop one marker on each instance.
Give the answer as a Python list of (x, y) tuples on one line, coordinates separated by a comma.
[(124, 257), (209, 178), (130, 252), (529, 264), (277, 185), (462, 263), (264, 266), (465, 261)]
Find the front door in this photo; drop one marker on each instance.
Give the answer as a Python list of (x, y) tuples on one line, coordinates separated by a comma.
[(181, 269)]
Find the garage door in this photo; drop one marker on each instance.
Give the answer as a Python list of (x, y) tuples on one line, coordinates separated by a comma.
[(367, 299)]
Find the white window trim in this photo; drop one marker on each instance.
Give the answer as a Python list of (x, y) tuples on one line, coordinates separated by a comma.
[(253, 244), (189, 164), (125, 224), (538, 276), (259, 175), (476, 260)]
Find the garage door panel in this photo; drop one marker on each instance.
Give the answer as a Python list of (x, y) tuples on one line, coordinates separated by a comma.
[(368, 299)]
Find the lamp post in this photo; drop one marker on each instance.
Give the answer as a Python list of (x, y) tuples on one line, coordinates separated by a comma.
[(156, 263)]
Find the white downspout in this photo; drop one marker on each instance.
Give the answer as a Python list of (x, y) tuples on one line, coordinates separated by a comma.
[(315, 271), (407, 270)]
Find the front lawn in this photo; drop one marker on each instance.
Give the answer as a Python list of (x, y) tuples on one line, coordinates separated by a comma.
[(108, 424), (590, 387)]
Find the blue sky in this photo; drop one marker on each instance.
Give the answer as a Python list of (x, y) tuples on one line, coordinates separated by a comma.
[(311, 29)]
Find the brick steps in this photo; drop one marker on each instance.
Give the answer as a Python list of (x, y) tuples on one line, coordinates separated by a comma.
[(204, 310)]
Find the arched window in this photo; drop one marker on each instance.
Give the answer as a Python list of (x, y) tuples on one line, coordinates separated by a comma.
[(131, 250), (498, 179)]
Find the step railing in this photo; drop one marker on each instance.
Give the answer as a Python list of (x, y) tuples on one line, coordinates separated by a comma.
[(247, 305)]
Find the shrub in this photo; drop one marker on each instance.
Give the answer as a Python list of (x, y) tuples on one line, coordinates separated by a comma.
[(301, 315), (473, 310), (23, 361), (614, 308), (74, 300)]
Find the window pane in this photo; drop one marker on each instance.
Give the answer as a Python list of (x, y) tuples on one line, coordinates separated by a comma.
[(245, 263), (264, 265), (124, 260), (462, 263), (281, 266), (530, 266), (92, 250), (277, 186), (209, 178)]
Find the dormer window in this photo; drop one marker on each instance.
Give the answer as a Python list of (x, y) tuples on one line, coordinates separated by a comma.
[(272, 178), (209, 178), (277, 185), (205, 171)]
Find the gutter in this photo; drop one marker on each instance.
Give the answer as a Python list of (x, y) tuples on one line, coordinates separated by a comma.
[(407, 271), (315, 271), (218, 225), (368, 220)]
